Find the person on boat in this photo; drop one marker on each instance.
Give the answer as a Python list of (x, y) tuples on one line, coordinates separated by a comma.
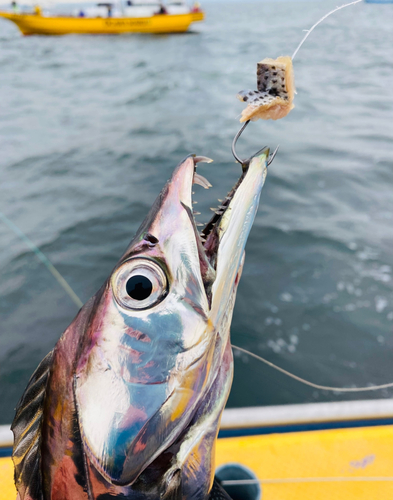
[(109, 10), (37, 10), (196, 7), (15, 7), (162, 10), (81, 14)]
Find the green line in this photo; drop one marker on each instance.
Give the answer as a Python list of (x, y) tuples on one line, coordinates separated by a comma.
[(44, 259)]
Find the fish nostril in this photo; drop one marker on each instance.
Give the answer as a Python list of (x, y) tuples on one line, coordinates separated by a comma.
[(150, 238)]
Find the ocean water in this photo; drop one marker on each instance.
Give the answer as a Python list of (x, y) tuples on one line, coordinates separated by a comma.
[(91, 128)]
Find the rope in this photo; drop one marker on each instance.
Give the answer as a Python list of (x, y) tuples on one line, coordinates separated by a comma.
[(311, 384), (44, 259)]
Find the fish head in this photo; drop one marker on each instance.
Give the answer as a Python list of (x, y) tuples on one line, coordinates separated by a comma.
[(159, 326)]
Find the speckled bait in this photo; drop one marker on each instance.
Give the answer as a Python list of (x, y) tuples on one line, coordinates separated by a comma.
[(128, 403), (276, 89), (276, 84)]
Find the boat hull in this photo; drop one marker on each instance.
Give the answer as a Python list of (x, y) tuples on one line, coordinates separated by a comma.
[(30, 24), (323, 451), (350, 464)]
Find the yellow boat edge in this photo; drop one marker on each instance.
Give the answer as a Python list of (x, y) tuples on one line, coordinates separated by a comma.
[(33, 24), (313, 451)]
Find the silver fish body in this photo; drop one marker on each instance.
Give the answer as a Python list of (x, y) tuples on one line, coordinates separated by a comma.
[(128, 403)]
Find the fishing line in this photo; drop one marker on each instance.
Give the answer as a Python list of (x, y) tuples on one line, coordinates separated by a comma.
[(260, 358), (308, 32), (311, 384), (73, 296), (318, 22), (44, 259)]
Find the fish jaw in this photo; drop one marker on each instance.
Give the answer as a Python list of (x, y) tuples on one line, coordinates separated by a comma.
[(224, 248), (144, 373), (141, 373), (232, 234)]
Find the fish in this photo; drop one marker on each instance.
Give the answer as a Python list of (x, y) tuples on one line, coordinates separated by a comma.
[(128, 403)]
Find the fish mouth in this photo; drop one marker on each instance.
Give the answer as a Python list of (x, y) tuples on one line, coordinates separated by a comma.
[(208, 236), (230, 223)]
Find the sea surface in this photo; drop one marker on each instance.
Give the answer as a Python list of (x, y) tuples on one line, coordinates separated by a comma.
[(91, 128)]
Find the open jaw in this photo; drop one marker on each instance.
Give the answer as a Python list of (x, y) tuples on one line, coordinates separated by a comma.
[(222, 240)]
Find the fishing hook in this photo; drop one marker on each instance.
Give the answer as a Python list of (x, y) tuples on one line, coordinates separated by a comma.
[(244, 163)]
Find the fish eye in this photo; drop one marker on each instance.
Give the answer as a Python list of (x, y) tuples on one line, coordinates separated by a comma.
[(139, 287), (139, 284)]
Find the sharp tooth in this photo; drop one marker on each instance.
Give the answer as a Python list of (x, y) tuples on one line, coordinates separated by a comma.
[(213, 209), (196, 213), (220, 200), (201, 181), (203, 159), (194, 202), (219, 212), (200, 224)]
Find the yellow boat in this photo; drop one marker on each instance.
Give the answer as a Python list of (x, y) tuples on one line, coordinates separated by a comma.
[(319, 451), (37, 24)]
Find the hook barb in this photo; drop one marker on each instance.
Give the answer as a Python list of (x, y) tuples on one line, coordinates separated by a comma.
[(272, 156)]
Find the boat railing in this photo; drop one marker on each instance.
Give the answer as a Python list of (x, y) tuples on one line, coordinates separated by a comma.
[(289, 417)]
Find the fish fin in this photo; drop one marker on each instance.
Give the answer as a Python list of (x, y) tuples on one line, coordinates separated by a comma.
[(26, 426)]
